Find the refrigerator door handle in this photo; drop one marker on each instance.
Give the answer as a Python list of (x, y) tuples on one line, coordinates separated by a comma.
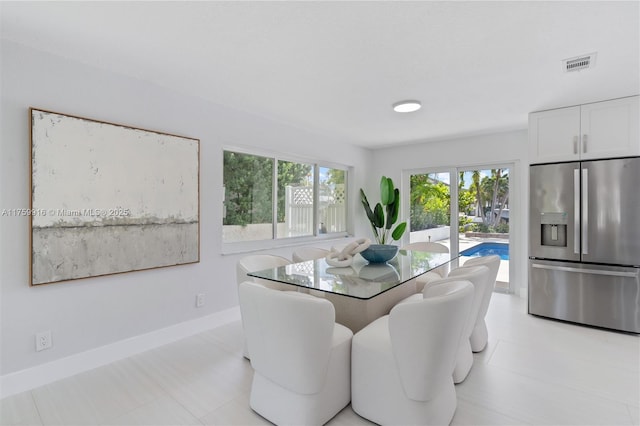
[(587, 271), (576, 211), (585, 211)]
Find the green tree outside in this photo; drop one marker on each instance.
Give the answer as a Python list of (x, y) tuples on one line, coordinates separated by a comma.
[(486, 197), (248, 187), (430, 205)]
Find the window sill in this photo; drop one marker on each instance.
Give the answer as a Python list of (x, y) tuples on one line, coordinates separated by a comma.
[(253, 246)]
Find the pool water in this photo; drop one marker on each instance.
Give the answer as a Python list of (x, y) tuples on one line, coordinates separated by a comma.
[(486, 249)]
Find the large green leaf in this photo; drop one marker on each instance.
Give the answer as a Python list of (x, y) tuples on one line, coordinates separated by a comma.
[(396, 206), (378, 214), (386, 191), (369, 213), (363, 197), (392, 191), (397, 233), (367, 207), (390, 209)]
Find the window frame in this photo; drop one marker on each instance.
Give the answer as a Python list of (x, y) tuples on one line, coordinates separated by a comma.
[(275, 242)]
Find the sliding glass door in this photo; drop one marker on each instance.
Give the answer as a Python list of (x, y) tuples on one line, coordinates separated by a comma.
[(430, 214), (484, 217), (466, 209)]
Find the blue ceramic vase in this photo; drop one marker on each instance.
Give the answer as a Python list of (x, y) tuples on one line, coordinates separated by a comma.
[(380, 253)]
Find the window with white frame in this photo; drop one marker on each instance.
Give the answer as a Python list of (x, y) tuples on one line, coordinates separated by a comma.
[(270, 198)]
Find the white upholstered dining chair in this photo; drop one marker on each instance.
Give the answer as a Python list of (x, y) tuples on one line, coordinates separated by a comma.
[(479, 277), (434, 274), (480, 335), (403, 362), (301, 357), (258, 262), (427, 246), (303, 254)]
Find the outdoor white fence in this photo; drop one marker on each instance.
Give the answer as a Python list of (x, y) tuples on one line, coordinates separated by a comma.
[(298, 220), (299, 210)]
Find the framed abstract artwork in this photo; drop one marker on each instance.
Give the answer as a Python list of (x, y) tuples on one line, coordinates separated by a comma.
[(108, 198)]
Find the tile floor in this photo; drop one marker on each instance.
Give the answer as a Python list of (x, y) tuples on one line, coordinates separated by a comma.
[(533, 372)]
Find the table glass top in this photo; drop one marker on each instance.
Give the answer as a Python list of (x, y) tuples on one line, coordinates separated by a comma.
[(360, 280)]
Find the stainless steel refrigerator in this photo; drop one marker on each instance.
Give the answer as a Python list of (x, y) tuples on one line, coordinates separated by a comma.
[(584, 242)]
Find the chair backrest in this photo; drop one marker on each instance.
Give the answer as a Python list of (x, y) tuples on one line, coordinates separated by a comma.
[(427, 246), (288, 336), (303, 254), (425, 336), (479, 277), (493, 263), (257, 262)]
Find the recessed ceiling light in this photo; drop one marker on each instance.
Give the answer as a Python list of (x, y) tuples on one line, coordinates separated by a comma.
[(407, 106)]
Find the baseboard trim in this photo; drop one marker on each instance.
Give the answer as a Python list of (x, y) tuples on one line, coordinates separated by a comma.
[(39, 375)]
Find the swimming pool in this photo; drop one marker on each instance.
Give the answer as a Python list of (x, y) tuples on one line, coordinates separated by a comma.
[(486, 249)]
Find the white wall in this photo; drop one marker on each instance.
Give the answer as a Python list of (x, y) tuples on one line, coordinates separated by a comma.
[(508, 147), (90, 313)]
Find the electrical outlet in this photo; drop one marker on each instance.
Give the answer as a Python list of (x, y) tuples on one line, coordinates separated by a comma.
[(199, 300), (43, 340)]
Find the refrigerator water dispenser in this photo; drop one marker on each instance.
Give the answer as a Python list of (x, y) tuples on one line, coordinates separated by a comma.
[(553, 229)]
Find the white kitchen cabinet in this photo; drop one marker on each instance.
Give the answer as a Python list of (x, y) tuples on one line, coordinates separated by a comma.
[(598, 130)]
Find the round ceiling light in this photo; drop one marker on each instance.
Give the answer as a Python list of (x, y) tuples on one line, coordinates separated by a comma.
[(407, 106)]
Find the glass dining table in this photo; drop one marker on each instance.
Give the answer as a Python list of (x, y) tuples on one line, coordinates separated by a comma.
[(361, 292)]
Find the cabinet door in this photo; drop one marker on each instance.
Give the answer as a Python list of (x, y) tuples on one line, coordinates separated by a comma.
[(610, 129), (554, 134)]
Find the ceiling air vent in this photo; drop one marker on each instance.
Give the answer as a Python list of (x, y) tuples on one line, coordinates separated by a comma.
[(579, 63)]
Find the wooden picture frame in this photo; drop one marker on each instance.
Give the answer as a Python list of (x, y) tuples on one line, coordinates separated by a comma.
[(109, 198)]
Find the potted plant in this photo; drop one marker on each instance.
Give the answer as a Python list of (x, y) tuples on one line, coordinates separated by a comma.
[(383, 217)]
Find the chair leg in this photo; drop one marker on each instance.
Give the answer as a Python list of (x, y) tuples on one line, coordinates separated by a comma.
[(464, 362), (245, 351), (479, 337)]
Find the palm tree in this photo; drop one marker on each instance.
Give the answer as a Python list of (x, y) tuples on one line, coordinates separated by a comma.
[(477, 187), (496, 187)]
